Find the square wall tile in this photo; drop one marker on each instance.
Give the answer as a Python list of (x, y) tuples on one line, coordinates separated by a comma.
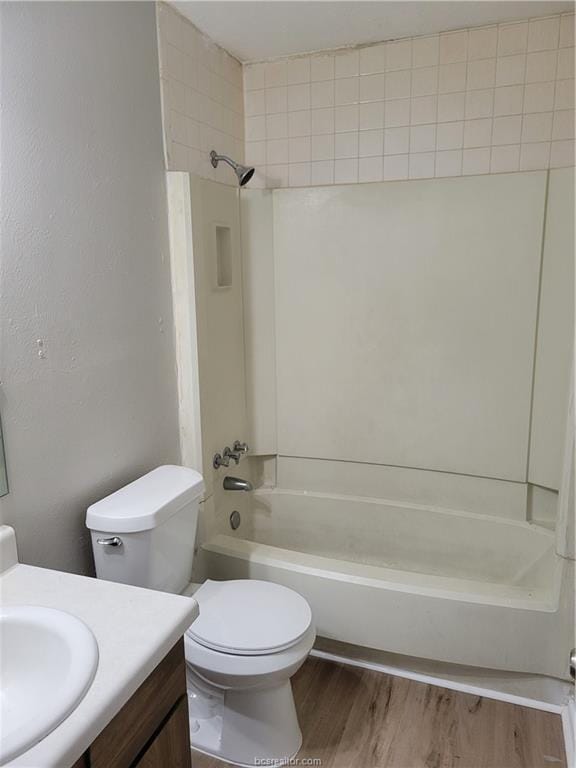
[(396, 141), (371, 115), (534, 157), (512, 38), (510, 70), (322, 172), (347, 91), (425, 81), (563, 125), (276, 151), (299, 123), (299, 174), (481, 74), (543, 34), (253, 77), (453, 47), (254, 103), (322, 94), (397, 84), (322, 67), (275, 74), (448, 163), (399, 55), (371, 87), (425, 51), (299, 149), (395, 167), (421, 165), (277, 126), (347, 63), (562, 154), (477, 133), (345, 171), (541, 67), (397, 113), (564, 94), (482, 43), (298, 97), (451, 107), (371, 143), (346, 145), (370, 169), (508, 100), (322, 121), (507, 130), (423, 138), (298, 70), (505, 159), (565, 63), (475, 161), (479, 104), (450, 136), (373, 59), (322, 147), (276, 99), (346, 118), (451, 78), (539, 97), (537, 127), (423, 110)]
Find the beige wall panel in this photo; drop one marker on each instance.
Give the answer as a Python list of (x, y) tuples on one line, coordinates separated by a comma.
[(554, 349), (259, 324), (219, 322), (406, 318), (498, 498)]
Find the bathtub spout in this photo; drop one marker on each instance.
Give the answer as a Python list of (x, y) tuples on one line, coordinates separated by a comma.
[(236, 484)]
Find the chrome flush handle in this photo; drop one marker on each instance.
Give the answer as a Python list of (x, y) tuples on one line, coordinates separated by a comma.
[(112, 541)]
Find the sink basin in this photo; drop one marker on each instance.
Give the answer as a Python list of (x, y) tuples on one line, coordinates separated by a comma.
[(48, 659)]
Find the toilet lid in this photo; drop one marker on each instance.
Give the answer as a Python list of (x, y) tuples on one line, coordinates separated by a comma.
[(248, 617)]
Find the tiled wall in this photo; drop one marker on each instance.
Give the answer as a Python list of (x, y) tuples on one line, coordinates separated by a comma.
[(482, 100), (202, 106)]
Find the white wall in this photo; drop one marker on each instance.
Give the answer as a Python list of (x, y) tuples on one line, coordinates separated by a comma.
[(555, 340), (85, 268), (202, 103), (475, 101), (406, 318)]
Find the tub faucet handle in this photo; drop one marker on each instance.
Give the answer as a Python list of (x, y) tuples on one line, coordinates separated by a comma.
[(229, 454), (240, 447)]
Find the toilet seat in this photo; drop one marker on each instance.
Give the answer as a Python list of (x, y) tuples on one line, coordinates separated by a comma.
[(247, 617)]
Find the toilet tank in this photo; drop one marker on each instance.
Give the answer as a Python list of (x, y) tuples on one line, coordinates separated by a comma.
[(144, 533)]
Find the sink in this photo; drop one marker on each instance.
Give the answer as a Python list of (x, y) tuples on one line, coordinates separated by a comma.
[(48, 659)]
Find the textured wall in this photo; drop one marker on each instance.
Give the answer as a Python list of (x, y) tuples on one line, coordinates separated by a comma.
[(87, 365), (485, 100)]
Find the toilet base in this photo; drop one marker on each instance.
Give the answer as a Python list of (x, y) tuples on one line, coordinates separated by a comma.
[(245, 727)]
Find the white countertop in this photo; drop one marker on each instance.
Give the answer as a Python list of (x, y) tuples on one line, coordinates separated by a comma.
[(135, 628)]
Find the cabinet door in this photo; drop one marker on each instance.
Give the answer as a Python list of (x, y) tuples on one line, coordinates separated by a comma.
[(171, 747)]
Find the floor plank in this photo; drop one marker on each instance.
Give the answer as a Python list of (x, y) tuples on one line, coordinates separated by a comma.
[(357, 718)]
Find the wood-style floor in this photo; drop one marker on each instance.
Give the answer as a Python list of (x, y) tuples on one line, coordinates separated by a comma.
[(356, 718)]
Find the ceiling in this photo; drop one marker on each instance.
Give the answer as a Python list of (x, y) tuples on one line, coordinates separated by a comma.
[(262, 29)]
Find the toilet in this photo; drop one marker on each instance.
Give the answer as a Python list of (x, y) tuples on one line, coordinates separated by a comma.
[(249, 639)]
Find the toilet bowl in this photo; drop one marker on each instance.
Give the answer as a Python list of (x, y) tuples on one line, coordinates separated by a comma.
[(249, 639)]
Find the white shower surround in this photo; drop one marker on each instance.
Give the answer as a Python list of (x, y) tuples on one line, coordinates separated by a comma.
[(427, 582)]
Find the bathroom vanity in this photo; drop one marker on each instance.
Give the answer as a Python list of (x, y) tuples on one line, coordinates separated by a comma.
[(151, 730), (134, 709)]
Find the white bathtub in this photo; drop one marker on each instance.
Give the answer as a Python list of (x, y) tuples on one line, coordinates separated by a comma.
[(438, 584)]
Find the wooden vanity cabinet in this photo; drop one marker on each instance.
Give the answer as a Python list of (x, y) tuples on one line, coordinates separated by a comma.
[(151, 730)]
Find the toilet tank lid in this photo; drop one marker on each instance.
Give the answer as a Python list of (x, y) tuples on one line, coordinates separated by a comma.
[(147, 502)]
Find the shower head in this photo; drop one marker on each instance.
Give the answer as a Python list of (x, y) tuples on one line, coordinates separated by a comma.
[(244, 172)]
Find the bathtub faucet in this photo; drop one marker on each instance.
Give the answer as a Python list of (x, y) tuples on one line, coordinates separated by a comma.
[(236, 484)]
